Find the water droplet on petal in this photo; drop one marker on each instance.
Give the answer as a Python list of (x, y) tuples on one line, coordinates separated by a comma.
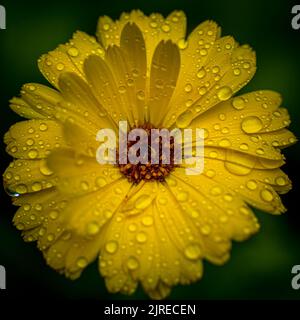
[(224, 93), (143, 202), (81, 262), (20, 226), (182, 196), (132, 263), (44, 168), (53, 214), (184, 119), (281, 181), (111, 246), (251, 184), (215, 191), (93, 228), (141, 237), (238, 103), (266, 195), (101, 182), (162, 200), (37, 186), (147, 221), (43, 127), (60, 66), (237, 169), (251, 124), (201, 73), (33, 154), (192, 251), (21, 189), (73, 52), (188, 87)]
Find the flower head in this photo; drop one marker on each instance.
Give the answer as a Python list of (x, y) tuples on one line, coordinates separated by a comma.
[(149, 225)]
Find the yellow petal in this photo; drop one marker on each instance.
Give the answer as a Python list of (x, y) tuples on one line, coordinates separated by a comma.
[(34, 208), (69, 57), (256, 187), (34, 139), (77, 92), (133, 45), (78, 174), (140, 248), (154, 28), (163, 78), (23, 176), (105, 88), (212, 81)]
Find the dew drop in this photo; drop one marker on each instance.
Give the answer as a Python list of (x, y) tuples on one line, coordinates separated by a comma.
[(266, 195), (143, 202), (93, 228), (60, 66), (182, 196), (236, 71), (147, 221), (111, 246), (73, 52), (203, 52), (37, 186), (251, 124), (192, 251), (215, 191), (251, 185), (132, 227), (244, 146), (43, 127), (224, 143), (237, 169), (101, 182), (210, 173), (238, 103), (29, 142), (132, 263), (280, 181), (141, 237), (184, 119), (53, 214), (81, 262), (106, 27), (21, 189), (162, 200), (201, 73), (33, 154), (224, 93), (141, 95), (188, 87), (20, 226), (44, 168)]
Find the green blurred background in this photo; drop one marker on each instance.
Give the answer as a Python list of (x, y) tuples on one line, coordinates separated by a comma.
[(260, 268)]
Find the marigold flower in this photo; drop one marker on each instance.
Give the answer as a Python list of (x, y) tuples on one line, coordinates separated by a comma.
[(145, 230)]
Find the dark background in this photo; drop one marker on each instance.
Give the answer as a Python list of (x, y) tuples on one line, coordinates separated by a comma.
[(259, 268)]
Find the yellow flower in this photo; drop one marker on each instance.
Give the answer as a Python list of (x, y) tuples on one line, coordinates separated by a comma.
[(151, 231)]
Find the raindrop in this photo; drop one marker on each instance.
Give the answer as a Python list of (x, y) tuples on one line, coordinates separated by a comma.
[(192, 251), (266, 195), (111, 246), (238, 103), (251, 124), (224, 93), (184, 119), (81, 262), (132, 263)]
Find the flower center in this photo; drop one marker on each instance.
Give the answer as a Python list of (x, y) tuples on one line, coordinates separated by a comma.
[(146, 169)]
